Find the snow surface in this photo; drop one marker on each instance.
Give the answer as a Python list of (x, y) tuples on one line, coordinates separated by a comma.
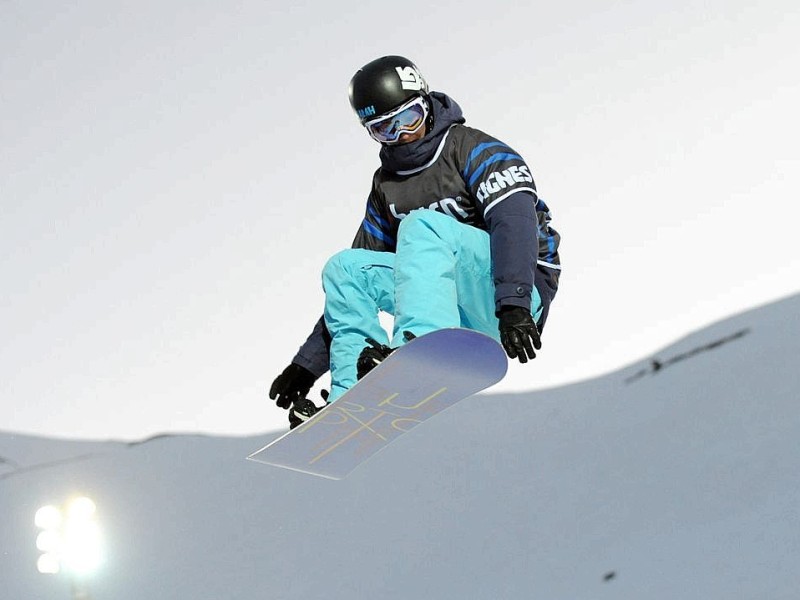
[(675, 482)]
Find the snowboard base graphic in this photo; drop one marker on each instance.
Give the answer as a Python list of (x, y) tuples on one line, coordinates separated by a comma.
[(418, 380)]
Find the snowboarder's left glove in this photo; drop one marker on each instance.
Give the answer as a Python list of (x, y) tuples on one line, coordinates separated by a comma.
[(291, 385), (518, 333), (371, 356), (374, 354)]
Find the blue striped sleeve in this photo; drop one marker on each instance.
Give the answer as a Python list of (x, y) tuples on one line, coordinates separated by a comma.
[(491, 160), (476, 151), (382, 223), (378, 233)]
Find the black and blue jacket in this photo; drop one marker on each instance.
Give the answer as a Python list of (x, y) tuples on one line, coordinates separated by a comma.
[(476, 179)]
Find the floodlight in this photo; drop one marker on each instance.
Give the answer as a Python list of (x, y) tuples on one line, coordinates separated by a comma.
[(49, 540), (82, 508), (47, 517), (48, 564), (69, 539), (81, 547)]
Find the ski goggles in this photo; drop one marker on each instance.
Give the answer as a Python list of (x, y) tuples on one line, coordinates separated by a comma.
[(407, 118)]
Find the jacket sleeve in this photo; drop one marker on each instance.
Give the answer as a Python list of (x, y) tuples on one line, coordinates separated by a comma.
[(502, 183), (378, 230), (314, 354), (513, 237)]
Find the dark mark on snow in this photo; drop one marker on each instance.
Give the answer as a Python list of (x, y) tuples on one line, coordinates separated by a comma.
[(657, 365), (54, 463), (8, 461), (19, 470)]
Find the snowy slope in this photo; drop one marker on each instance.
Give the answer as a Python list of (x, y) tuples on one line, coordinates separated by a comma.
[(678, 478)]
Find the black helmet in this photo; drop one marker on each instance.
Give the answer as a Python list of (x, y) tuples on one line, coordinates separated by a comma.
[(384, 84)]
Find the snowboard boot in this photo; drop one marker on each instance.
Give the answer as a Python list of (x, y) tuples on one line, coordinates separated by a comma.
[(302, 410), (374, 354)]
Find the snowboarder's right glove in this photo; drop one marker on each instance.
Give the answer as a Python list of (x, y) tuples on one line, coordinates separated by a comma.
[(304, 409), (518, 333), (291, 385)]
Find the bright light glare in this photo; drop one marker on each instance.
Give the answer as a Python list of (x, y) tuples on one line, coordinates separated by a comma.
[(81, 509), (47, 517), (49, 541), (81, 549), (48, 564), (71, 541)]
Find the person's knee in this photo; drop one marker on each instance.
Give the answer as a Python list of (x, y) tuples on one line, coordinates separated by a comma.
[(351, 263), (422, 222), (338, 265)]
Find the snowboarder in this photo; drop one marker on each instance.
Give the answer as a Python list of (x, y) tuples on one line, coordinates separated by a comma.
[(481, 256)]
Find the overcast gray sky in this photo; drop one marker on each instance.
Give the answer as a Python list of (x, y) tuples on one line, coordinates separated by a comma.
[(174, 174)]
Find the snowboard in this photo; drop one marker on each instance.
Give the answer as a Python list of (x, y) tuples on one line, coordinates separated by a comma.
[(415, 382)]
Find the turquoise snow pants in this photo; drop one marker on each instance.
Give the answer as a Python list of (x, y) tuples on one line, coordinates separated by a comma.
[(440, 276)]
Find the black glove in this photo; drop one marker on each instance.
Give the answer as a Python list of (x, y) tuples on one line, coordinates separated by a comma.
[(304, 409), (518, 333), (291, 385)]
